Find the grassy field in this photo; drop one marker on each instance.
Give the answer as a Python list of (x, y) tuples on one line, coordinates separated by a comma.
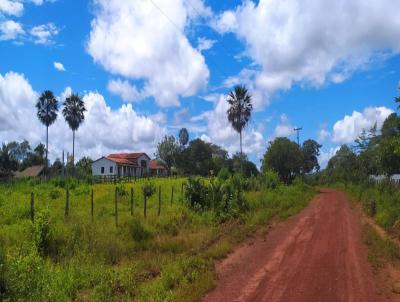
[(166, 258)]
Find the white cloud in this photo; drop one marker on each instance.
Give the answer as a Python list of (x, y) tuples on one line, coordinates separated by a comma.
[(350, 127), (324, 157), (139, 40), (323, 133), (312, 42), (284, 128), (11, 7), (59, 66), (10, 30), (219, 131), (44, 34), (104, 129), (205, 44), (125, 90)]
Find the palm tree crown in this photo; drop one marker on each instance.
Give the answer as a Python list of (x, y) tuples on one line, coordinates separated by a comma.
[(47, 108), (183, 137), (240, 109), (73, 111)]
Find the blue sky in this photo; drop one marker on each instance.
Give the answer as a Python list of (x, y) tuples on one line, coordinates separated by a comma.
[(146, 68)]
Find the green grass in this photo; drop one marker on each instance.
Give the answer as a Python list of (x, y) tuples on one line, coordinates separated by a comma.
[(166, 258)]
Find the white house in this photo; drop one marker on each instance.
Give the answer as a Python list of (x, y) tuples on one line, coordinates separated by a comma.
[(123, 164)]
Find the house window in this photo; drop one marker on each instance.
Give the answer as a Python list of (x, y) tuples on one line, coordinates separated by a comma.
[(143, 164), (111, 169), (102, 170)]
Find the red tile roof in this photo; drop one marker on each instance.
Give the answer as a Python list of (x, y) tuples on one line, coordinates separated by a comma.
[(155, 165), (128, 159)]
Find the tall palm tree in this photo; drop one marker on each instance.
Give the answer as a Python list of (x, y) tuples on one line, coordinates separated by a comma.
[(183, 137), (47, 109), (239, 112), (73, 112)]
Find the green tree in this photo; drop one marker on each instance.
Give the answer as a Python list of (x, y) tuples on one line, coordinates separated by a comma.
[(198, 158), (183, 137), (310, 151), (239, 112), (389, 152), (343, 166), (47, 109), (391, 126), (167, 151), (74, 114), (8, 162), (284, 157), (84, 165)]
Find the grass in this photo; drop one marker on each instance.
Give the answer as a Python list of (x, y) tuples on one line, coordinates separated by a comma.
[(166, 258)]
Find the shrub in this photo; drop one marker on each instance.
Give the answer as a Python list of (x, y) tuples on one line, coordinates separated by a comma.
[(55, 194), (42, 232), (149, 189), (270, 179), (224, 174), (139, 232)]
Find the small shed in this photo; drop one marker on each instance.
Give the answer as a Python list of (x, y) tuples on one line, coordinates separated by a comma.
[(33, 171), (156, 169)]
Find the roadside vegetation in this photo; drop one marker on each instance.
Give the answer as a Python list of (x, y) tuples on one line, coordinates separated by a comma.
[(160, 258)]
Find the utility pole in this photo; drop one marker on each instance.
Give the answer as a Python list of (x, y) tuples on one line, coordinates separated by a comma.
[(298, 134)]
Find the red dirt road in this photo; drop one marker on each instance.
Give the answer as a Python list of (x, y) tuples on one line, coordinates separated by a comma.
[(317, 255)]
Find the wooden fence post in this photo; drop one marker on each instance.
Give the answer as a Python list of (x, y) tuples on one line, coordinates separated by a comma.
[(144, 204), (159, 201), (131, 201), (92, 204), (32, 207), (172, 195), (66, 204), (116, 206)]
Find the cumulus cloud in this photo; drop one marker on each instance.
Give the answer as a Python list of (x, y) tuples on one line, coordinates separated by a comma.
[(10, 30), (59, 66), (323, 133), (350, 127), (312, 42), (325, 156), (284, 128), (104, 130), (11, 7), (125, 90), (220, 131), (145, 40), (44, 34), (205, 44)]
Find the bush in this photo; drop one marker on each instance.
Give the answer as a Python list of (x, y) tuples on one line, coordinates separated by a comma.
[(270, 179), (55, 194), (224, 174), (138, 232), (42, 232), (149, 189)]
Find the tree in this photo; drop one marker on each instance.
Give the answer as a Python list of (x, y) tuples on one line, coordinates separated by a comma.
[(391, 126), (389, 152), (74, 114), (310, 151), (47, 108), (284, 157), (8, 163), (198, 158), (183, 137), (167, 151), (240, 109), (84, 165), (344, 166)]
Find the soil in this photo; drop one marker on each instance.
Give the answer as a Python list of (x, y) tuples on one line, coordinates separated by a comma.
[(317, 255)]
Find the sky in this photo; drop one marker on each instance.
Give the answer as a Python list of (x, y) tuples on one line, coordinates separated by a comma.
[(146, 68)]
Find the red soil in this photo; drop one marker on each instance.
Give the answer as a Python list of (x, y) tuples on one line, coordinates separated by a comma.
[(317, 255)]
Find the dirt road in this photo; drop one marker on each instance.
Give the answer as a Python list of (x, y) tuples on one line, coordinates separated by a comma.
[(317, 255)]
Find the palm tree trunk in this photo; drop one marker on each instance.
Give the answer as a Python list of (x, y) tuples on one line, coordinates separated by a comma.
[(241, 153), (73, 148), (47, 148)]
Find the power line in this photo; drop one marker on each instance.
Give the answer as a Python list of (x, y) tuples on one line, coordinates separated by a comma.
[(298, 134)]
